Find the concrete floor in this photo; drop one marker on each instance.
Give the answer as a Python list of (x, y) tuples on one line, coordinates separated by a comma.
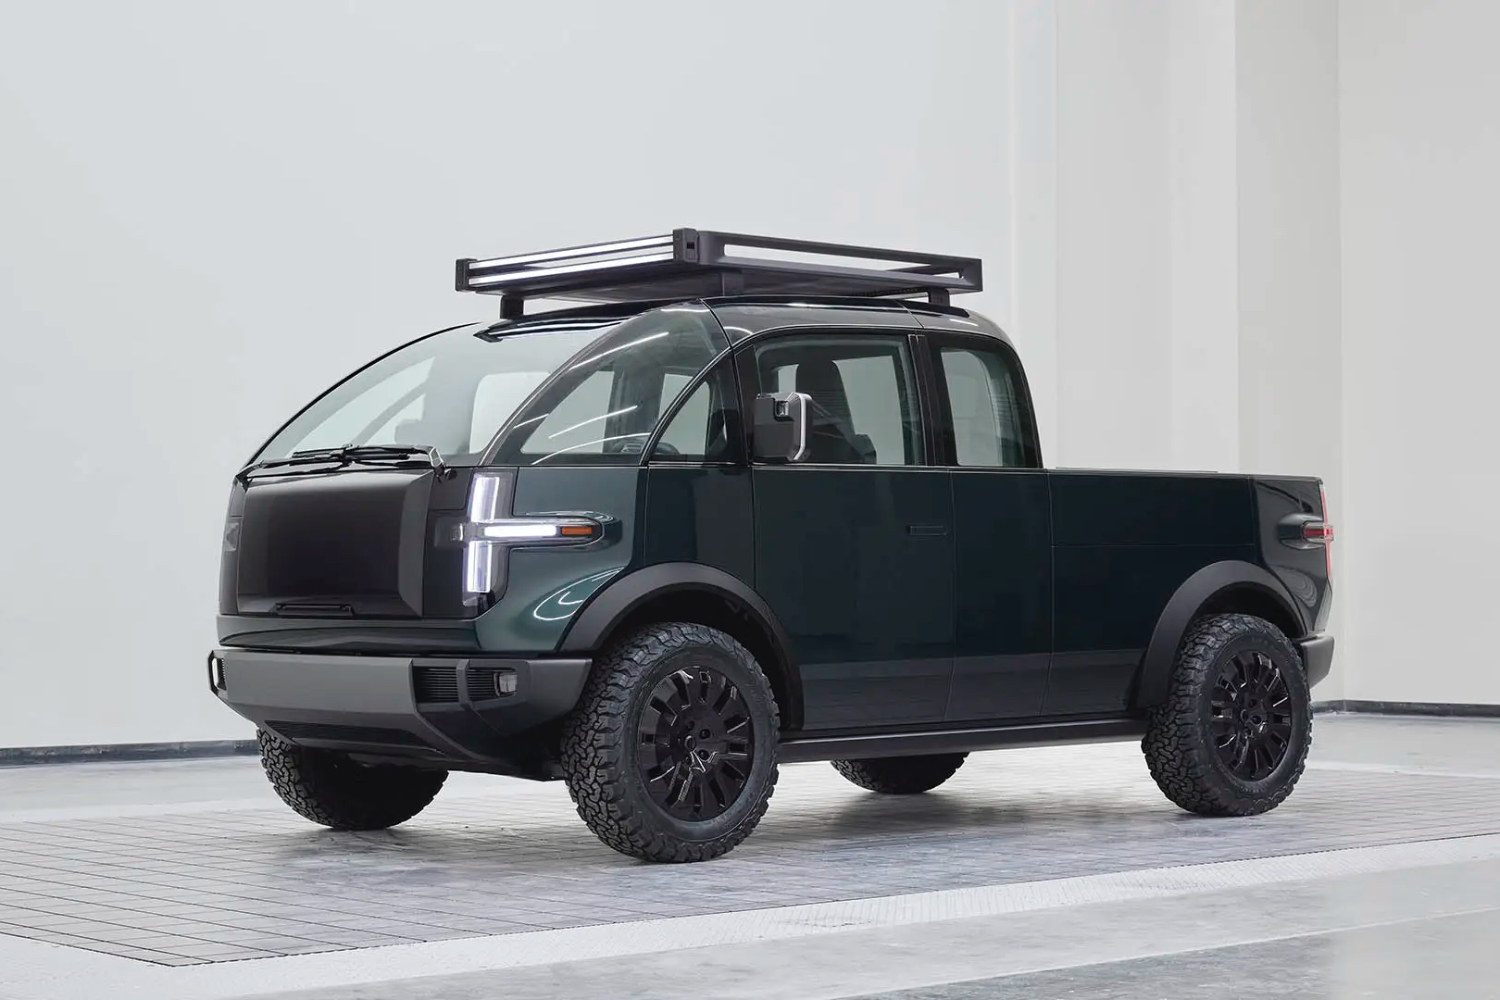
[(1036, 873)]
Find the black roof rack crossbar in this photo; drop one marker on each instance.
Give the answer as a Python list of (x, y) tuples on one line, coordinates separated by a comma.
[(694, 263)]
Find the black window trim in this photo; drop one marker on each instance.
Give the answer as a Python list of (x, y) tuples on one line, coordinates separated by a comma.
[(1030, 439), (922, 386)]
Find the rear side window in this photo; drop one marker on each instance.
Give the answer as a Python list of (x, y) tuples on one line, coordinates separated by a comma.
[(989, 416)]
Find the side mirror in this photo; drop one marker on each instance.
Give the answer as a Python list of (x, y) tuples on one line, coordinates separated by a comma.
[(780, 428)]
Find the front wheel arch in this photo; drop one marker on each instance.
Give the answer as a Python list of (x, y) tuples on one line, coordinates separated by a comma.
[(700, 594)]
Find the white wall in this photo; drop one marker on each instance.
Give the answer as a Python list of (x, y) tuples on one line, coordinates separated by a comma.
[(1419, 92), (1232, 234), (209, 212)]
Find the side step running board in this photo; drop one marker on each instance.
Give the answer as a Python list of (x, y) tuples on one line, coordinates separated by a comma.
[(960, 740)]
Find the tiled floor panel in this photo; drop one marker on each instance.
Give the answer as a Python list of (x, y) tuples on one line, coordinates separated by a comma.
[(190, 887)]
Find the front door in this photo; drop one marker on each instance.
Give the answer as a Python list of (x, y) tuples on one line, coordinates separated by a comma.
[(854, 546)]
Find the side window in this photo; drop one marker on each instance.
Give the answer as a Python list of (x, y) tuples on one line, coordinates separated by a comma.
[(989, 417), (701, 431), (603, 405), (672, 383), (864, 406), (577, 423)]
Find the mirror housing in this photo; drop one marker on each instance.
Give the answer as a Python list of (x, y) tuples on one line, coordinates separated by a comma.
[(780, 427)]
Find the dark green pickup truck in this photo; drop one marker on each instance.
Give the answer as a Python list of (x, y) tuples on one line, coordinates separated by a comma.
[(759, 501)]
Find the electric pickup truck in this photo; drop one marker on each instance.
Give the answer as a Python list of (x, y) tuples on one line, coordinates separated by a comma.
[(755, 501)]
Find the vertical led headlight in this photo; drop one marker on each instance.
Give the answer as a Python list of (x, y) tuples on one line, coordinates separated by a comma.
[(484, 569), (489, 534)]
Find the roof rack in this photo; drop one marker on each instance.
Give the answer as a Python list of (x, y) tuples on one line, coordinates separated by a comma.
[(698, 263)]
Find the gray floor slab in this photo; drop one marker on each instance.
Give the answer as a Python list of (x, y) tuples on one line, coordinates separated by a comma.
[(1443, 958), (193, 863), (1009, 953)]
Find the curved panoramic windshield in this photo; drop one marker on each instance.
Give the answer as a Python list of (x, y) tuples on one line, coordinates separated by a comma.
[(455, 390)]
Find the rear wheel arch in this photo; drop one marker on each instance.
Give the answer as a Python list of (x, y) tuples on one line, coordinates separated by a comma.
[(703, 595), (1227, 587)]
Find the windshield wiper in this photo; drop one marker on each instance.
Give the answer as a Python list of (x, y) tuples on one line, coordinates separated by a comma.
[(400, 453)]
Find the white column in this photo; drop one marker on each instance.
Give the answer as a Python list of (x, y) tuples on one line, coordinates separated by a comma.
[(1175, 264), (1114, 356), (1290, 329), (1419, 85), (1204, 250), (1032, 322)]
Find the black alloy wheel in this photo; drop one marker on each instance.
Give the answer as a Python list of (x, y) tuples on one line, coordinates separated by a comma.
[(671, 752), (1232, 737), (1251, 716), (695, 743)]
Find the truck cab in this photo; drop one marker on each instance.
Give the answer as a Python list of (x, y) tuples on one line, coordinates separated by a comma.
[(739, 510)]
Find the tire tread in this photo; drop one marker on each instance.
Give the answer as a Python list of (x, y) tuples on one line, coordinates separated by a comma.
[(598, 751), (332, 790), (901, 775), (1180, 759)]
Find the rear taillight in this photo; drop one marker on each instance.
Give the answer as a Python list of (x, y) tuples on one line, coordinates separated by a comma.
[(1322, 531), (489, 533), (1317, 531)]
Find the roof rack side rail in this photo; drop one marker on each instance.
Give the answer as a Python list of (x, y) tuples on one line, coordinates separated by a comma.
[(693, 263)]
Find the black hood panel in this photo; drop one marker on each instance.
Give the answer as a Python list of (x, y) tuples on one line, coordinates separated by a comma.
[(343, 544)]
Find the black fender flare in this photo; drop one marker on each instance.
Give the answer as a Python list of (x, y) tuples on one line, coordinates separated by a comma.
[(610, 606), (1183, 607)]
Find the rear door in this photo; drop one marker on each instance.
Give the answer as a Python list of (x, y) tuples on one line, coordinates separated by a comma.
[(1002, 517), (854, 547)]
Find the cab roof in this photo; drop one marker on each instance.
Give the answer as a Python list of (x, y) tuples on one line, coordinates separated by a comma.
[(743, 316)]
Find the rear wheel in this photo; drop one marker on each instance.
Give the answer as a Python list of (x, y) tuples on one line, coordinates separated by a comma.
[(337, 791), (671, 753), (901, 775), (1233, 735)]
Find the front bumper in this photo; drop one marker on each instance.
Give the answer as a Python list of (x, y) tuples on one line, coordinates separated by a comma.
[(435, 710), (1317, 657)]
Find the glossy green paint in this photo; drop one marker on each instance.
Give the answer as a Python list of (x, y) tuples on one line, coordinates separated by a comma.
[(1123, 544), (954, 320), (857, 563), (1003, 599), (700, 514), (546, 587)]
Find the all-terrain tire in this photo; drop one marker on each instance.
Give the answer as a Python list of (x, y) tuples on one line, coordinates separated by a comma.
[(600, 744), (330, 788), (901, 775), (1180, 744)]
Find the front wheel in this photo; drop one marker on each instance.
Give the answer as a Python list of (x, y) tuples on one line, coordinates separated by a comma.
[(671, 753), (1233, 734), (337, 791)]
